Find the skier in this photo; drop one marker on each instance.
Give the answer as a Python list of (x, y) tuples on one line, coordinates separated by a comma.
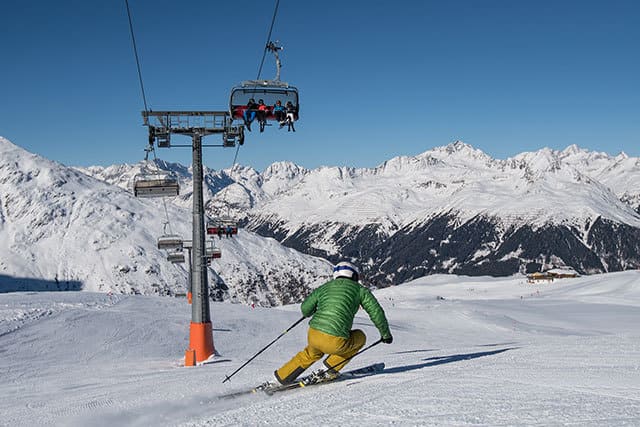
[(332, 308)]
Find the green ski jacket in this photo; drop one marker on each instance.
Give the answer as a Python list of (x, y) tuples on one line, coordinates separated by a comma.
[(334, 305)]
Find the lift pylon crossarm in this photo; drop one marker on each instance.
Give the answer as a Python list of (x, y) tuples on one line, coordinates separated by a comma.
[(187, 122), (162, 124)]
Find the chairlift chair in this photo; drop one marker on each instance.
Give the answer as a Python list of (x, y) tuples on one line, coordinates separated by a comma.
[(176, 257), (269, 91), (211, 251), (214, 227), (230, 225), (222, 226), (155, 185), (170, 241)]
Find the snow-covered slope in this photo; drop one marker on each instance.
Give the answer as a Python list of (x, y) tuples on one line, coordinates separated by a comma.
[(62, 229), (466, 351)]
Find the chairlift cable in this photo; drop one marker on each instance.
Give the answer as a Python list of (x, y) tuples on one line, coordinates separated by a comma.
[(164, 199), (166, 213), (146, 108), (264, 55), (135, 52)]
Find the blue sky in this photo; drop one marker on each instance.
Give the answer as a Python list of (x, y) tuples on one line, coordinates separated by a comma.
[(377, 79)]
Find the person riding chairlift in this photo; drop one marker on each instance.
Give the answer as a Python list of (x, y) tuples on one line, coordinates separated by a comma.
[(291, 116), (250, 113), (279, 113), (263, 110)]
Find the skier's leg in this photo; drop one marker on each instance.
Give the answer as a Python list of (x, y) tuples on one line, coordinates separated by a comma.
[(301, 361), (338, 359)]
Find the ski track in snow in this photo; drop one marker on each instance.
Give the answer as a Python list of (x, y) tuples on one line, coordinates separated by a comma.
[(493, 352)]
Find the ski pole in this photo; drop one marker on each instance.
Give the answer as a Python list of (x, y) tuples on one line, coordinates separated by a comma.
[(361, 351), (228, 377)]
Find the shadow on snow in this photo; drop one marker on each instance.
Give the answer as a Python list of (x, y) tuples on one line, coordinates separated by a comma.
[(27, 284), (415, 351), (441, 360)]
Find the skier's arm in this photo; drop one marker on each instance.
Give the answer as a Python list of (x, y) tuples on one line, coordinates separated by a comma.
[(309, 305), (375, 312)]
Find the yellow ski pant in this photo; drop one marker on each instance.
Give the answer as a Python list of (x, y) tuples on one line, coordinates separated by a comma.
[(338, 348)]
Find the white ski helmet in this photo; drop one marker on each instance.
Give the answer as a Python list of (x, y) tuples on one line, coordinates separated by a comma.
[(346, 269)]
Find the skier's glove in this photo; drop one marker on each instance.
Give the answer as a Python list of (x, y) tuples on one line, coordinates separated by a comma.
[(387, 340)]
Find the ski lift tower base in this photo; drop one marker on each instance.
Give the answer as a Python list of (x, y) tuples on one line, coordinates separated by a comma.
[(196, 124)]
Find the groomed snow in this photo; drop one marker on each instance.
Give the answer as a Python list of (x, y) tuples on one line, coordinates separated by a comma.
[(466, 351)]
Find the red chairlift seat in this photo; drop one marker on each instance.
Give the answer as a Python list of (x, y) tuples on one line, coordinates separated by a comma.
[(222, 226), (213, 228), (211, 252)]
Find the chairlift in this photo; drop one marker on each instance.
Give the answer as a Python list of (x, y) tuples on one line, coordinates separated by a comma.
[(230, 225), (155, 185), (176, 257), (211, 251), (170, 241), (226, 226), (214, 227), (270, 91)]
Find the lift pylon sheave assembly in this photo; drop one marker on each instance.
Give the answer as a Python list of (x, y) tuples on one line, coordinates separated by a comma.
[(163, 125)]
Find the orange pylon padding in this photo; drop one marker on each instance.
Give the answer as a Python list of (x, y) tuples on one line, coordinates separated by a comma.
[(189, 297), (201, 340), (190, 358)]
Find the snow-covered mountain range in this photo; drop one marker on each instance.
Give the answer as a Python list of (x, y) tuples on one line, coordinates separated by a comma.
[(451, 209), (62, 229), (454, 209)]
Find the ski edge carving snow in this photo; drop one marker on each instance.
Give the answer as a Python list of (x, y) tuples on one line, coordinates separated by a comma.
[(306, 381)]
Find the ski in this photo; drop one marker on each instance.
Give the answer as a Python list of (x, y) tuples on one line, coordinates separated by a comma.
[(315, 378)]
